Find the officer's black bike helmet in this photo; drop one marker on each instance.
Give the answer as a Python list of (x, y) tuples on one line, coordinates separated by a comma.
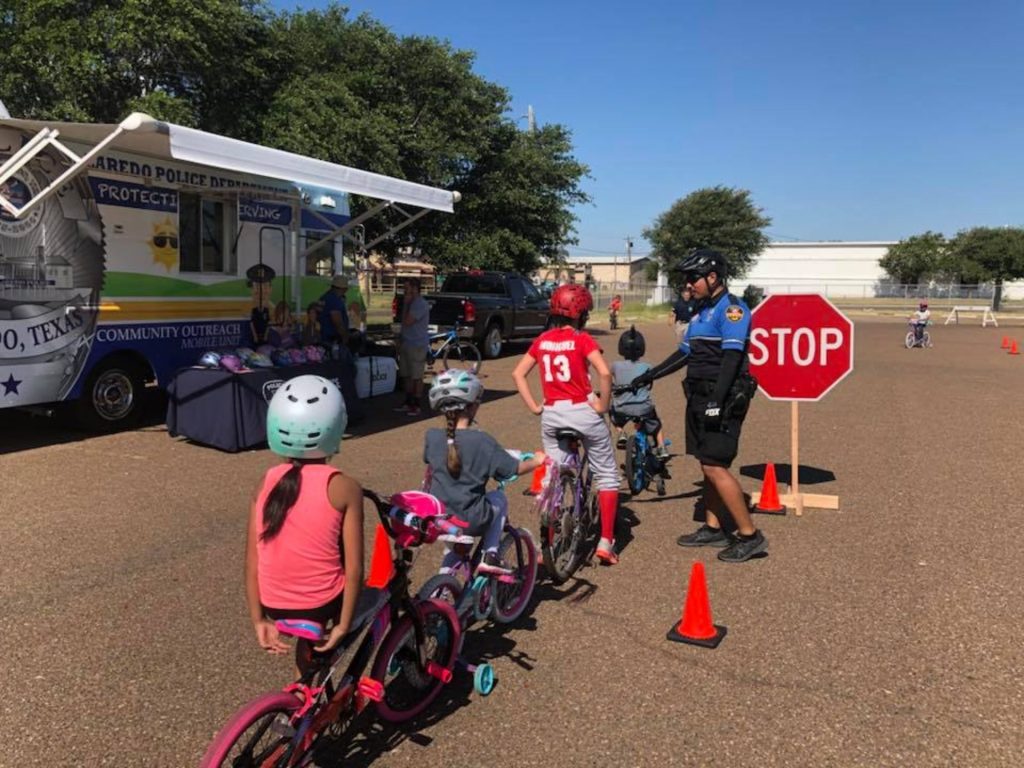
[(702, 263), (632, 344)]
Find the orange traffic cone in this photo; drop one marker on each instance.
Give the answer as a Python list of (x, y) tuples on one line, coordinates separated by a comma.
[(1006, 343), (382, 567), (537, 481), (695, 626), (1013, 348), (769, 501)]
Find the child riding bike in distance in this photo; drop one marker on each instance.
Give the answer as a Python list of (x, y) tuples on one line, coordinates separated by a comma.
[(461, 461), (920, 319), (631, 404), (303, 509), (565, 354)]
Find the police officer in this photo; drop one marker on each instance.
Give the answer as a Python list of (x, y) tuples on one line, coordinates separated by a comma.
[(718, 391)]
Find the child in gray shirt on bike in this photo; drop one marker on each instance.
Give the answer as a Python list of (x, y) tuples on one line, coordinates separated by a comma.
[(628, 405)]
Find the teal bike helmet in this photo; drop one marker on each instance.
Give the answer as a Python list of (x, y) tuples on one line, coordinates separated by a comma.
[(306, 418)]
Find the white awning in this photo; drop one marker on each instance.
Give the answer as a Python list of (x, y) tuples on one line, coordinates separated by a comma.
[(141, 134)]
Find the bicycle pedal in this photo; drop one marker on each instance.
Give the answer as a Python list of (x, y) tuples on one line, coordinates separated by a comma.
[(371, 689), (438, 672)]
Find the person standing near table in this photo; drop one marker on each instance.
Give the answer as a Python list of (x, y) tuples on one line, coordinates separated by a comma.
[(413, 342), (682, 311), (334, 314), (718, 391), (260, 278)]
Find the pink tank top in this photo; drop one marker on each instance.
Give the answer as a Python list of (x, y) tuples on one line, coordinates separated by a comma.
[(301, 566)]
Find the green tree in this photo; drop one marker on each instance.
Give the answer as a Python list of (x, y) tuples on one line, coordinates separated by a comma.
[(413, 108), (722, 218), (916, 258), (98, 61), (989, 254)]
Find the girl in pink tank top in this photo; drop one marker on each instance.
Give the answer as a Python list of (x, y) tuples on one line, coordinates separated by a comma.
[(304, 556)]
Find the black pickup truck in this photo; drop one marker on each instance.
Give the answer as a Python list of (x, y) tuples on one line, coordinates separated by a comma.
[(489, 308)]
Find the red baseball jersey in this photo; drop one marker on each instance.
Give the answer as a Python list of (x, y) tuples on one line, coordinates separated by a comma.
[(561, 354)]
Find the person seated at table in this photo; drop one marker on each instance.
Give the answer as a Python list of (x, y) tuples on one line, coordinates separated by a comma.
[(282, 326), (311, 328)]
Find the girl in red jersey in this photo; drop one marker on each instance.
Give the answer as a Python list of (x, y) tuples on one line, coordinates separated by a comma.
[(565, 355)]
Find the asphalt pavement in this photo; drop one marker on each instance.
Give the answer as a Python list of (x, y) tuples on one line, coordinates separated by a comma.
[(883, 634)]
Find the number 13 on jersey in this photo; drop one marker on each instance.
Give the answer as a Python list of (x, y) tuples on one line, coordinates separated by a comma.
[(556, 367)]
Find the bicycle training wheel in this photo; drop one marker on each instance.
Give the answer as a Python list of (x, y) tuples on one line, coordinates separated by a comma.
[(259, 734), (408, 688), (516, 551), (561, 535), (910, 340), (926, 340), (462, 356)]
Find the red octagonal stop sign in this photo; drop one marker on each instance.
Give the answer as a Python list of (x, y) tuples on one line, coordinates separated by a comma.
[(800, 346)]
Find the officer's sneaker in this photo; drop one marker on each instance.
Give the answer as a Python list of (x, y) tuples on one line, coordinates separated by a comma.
[(742, 549), (705, 536)]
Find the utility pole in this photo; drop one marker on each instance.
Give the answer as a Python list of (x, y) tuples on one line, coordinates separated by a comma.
[(531, 121), (629, 254)]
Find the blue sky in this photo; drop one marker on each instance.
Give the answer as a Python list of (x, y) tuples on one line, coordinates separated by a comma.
[(846, 120)]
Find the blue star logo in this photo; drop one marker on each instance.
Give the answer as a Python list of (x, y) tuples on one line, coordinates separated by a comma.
[(11, 385)]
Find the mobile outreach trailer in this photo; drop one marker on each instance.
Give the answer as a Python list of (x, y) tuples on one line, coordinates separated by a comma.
[(124, 250)]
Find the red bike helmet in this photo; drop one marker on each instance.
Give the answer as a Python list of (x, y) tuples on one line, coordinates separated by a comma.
[(571, 301), (923, 305)]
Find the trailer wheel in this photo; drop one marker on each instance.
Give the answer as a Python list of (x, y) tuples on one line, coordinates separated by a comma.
[(112, 397)]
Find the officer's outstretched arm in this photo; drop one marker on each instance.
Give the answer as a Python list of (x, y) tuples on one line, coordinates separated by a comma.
[(670, 364), (732, 361)]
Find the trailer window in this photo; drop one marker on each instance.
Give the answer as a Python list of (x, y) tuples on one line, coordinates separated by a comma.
[(207, 232)]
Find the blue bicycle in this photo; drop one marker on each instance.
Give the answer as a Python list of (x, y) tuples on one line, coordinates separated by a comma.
[(454, 352), (642, 465)]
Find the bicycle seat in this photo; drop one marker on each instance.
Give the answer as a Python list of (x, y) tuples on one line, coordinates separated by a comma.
[(567, 433)]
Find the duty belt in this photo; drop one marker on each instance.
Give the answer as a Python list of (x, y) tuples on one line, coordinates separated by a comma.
[(700, 386)]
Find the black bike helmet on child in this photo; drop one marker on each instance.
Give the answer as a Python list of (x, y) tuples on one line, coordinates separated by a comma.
[(702, 263), (632, 344)]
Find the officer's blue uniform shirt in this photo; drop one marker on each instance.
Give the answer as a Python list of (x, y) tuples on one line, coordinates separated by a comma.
[(721, 324)]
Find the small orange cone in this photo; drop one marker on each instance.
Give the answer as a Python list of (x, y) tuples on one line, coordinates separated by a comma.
[(769, 501), (1013, 348), (537, 481), (1006, 343), (695, 626), (382, 567)]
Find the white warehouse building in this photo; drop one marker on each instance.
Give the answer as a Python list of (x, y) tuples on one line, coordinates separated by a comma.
[(836, 269)]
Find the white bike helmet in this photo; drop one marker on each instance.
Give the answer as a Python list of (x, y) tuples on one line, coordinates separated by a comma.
[(306, 418), (455, 390)]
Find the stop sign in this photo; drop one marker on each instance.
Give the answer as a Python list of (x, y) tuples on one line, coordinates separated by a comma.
[(800, 346)]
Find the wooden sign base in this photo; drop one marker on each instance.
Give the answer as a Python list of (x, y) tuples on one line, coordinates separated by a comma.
[(793, 498)]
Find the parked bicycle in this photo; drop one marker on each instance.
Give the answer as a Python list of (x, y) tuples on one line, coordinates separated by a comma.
[(413, 643), (502, 598), (918, 336), (453, 351), (569, 515)]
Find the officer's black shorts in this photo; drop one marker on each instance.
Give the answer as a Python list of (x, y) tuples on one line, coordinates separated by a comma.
[(651, 422), (716, 449)]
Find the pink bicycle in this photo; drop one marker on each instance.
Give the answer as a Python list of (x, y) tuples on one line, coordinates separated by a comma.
[(416, 643)]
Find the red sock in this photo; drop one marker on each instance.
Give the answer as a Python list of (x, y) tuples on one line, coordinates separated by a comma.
[(608, 503)]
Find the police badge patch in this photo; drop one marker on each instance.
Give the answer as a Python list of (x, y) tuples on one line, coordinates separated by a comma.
[(734, 313)]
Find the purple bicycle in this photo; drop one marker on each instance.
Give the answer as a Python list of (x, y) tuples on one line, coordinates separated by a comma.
[(569, 516)]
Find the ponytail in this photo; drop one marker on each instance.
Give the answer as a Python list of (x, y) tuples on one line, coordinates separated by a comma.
[(454, 460), (280, 500)]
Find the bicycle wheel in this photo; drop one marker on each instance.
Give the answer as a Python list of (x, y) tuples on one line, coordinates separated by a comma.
[(634, 467), (259, 734), (518, 551), (443, 587), (462, 355), (909, 340), (560, 533), (926, 340), (408, 689)]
